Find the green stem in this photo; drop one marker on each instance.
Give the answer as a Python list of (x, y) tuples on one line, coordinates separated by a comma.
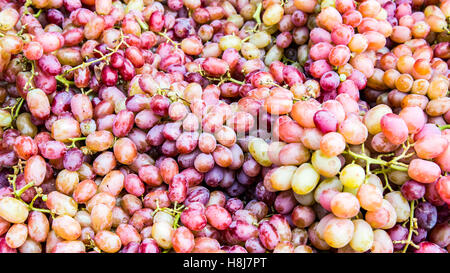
[(22, 190), (163, 34), (235, 81), (86, 64), (74, 141), (387, 186), (411, 228), (64, 81), (38, 13), (368, 159), (246, 39), (141, 23), (398, 167), (14, 111), (29, 82), (257, 15), (443, 127)]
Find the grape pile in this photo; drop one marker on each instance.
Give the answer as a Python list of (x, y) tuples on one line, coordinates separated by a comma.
[(231, 126)]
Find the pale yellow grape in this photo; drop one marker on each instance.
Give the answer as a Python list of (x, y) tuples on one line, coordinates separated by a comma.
[(134, 5), (162, 216), (281, 178), (373, 117), (274, 54), (400, 204), (5, 118), (162, 232), (362, 238), (230, 41), (258, 148), (338, 232), (329, 183), (352, 176), (13, 210), (270, 29), (250, 51), (260, 39), (326, 166), (273, 14), (305, 179)]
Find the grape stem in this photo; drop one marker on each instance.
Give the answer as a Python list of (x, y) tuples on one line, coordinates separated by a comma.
[(37, 14), (257, 16), (141, 23), (74, 141), (412, 221), (392, 164), (67, 83), (64, 81), (92, 244), (175, 212), (222, 79), (19, 102), (18, 193), (163, 34), (443, 127)]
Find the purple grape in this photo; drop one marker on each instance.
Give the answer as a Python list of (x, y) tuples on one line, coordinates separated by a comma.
[(413, 190), (214, 176), (73, 159), (398, 233), (426, 215)]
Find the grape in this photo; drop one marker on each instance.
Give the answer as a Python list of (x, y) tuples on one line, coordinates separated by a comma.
[(412, 190), (382, 243), (304, 179), (66, 227), (344, 205), (232, 126), (352, 176), (338, 232), (423, 171), (426, 215), (325, 121)]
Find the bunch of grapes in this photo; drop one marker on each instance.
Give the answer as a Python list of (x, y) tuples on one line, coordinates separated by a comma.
[(231, 126)]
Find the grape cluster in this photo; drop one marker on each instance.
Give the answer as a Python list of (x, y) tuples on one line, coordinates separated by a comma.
[(232, 126)]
